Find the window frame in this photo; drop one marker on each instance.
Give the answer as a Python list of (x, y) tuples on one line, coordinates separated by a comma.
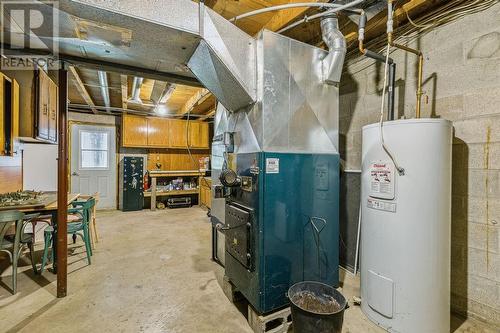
[(81, 150)]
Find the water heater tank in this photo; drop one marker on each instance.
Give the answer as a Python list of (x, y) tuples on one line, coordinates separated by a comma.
[(405, 229)]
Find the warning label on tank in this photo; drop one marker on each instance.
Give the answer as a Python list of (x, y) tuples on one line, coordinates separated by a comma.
[(382, 180), (272, 165), (381, 205)]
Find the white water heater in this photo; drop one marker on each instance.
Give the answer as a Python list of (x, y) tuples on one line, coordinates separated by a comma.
[(405, 228)]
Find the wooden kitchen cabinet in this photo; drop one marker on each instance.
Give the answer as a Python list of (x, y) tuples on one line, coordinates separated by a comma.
[(155, 132), (177, 131), (9, 114), (2, 114), (158, 132), (205, 191), (42, 123), (52, 93), (134, 131), (198, 134)]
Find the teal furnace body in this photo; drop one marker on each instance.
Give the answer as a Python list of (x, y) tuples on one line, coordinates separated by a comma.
[(280, 173), (282, 224)]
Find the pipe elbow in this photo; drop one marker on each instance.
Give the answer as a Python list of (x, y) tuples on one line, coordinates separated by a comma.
[(337, 49)]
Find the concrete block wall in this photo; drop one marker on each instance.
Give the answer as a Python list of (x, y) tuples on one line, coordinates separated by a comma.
[(462, 84)]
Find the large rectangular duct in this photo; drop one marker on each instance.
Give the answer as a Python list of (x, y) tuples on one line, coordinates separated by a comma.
[(295, 110)]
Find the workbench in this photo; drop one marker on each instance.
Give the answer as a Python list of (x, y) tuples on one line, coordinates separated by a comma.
[(154, 175)]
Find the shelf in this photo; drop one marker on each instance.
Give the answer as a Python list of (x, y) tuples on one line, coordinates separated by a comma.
[(169, 193), (182, 173)]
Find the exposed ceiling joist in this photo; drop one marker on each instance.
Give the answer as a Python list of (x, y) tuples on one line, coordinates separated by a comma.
[(284, 17), (194, 100), (124, 90), (82, 90), (377, 25), (209, 114)]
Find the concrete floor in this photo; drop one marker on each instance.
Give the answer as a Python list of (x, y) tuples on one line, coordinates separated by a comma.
[(151, 272)]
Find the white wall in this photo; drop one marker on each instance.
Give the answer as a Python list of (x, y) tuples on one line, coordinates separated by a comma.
[(39, 167)]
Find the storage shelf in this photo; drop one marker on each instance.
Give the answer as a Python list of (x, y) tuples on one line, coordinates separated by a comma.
[(184, 173), (178, 192)]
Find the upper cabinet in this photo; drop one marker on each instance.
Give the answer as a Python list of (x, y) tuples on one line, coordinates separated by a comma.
[(198, 134), (163, 133), (177, 133), (134, 131), (46, 108), (158, 130), (9, 114), (34, 103)]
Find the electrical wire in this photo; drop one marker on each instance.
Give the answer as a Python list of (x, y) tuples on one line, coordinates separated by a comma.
[(400, 169), (189, 149)]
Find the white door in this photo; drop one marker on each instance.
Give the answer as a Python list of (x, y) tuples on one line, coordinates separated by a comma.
[(93, 162)]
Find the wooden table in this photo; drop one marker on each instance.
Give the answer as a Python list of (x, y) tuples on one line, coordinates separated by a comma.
[(48, 205)]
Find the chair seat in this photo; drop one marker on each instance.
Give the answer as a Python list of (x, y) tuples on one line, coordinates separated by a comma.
[(74, 218), (74, 227)]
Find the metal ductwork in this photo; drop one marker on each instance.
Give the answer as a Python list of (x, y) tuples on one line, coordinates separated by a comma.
[(103, 83), (335, 41), (136, 90), (167, 93)]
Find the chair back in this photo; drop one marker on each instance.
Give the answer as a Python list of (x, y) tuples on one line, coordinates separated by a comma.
[(7, 218), (86, 207)]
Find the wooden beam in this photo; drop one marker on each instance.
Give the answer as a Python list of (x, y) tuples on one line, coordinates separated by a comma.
[(284, 17), (62, 186), (210, 3), (202, 94), (378, 24), (82, 90), (209, 114), (124, 90)]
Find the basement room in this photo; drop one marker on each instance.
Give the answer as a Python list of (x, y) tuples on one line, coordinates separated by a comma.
[(250, 166)]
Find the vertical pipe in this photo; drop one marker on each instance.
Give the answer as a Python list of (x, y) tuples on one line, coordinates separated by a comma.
[(419, 84), (62, 186), (390, 95), (390, 40)]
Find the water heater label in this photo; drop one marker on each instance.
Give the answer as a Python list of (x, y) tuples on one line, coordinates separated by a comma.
[(382, 205), (272, 165), (382, 180)]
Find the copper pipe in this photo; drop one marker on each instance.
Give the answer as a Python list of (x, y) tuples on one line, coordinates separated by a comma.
[(362, 47), (420, 66)]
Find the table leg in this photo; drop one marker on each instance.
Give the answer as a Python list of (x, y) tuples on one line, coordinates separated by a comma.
[(54, 241)]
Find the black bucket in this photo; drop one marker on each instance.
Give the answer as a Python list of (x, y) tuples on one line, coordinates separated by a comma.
[(316, 308)]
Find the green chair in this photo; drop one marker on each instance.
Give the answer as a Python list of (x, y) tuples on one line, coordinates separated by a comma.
[(78, 224), (13, 244)]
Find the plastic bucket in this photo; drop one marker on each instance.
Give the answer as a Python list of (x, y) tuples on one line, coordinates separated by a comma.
[(316, 308)]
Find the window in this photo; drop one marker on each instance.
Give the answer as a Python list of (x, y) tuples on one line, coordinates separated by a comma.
[(94, 150)]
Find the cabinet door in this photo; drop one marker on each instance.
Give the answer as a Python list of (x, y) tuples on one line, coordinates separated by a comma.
[(42, 123), (198, 134), (177, 130), (158, 132), (134, 131), (2, 115), (204, 140), (15, 110), (52, 111)]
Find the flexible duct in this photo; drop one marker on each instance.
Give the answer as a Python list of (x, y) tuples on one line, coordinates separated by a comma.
[(335, 41), (136, 90), (103, 83)]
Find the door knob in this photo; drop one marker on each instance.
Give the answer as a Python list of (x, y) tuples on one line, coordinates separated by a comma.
[(75, 174)]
